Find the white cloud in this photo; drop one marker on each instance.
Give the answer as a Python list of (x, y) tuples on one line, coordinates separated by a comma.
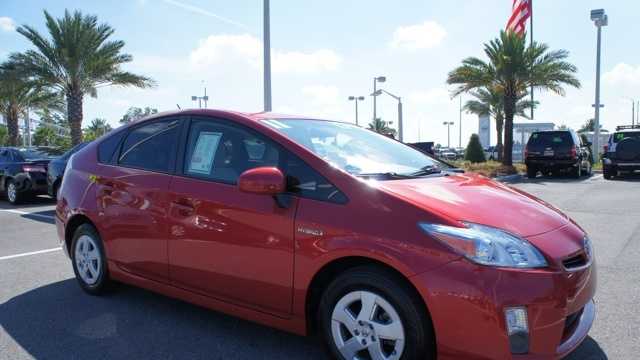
[(7, 24), (421, 36), (216, 49), (623, 75), (247, 48)]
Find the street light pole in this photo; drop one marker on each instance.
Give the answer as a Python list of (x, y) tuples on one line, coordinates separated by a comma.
[(375, 93), (600, 19), (400, 121), (460, 124), (400, 124), (356, 99), (267, 56), (448, 125)]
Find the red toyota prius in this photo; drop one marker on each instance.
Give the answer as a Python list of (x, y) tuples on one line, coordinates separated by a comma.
[(316, 226)]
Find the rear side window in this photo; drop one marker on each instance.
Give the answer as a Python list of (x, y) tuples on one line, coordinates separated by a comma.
[(152, 146), (617, 137), (551, 138), (108, 146)]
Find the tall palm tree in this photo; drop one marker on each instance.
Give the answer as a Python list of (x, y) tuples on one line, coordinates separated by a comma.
[(18, 93), (77, 59), (512, 69), (490, 101), (382, 127)]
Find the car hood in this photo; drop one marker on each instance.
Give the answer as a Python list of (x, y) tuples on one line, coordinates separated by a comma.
[(477, 199)]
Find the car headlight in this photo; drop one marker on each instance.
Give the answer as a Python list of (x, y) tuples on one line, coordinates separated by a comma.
[(487, 245)]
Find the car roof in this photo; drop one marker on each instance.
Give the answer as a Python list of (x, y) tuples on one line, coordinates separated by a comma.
[(257, 116)]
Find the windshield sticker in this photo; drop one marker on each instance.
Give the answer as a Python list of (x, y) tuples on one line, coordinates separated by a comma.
[(204, 152)]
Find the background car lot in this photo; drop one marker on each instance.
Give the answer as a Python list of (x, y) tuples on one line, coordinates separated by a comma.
[(44, 314)]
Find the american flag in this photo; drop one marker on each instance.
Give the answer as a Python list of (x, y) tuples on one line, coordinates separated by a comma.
[(521, 11)]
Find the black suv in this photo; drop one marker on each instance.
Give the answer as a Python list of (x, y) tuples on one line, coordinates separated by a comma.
[(553, 151), (622, 152), (23, 171)]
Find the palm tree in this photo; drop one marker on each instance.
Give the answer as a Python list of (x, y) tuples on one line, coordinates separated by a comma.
[(382, 127), (512, 69), (490, 101), (97, 128), (18, 93), (77, 60)]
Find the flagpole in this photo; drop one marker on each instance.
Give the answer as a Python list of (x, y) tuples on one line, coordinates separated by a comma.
[(530, 44)]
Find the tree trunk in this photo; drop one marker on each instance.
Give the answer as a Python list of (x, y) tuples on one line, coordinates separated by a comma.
[(509, 111), (499, 128), (74, 114), (12, 126)]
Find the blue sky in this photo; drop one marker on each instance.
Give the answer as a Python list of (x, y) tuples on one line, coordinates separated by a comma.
[(324, 51)]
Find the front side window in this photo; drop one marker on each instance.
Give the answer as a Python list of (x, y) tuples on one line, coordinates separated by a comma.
[(355, 150), (151, 146), (222, 152)]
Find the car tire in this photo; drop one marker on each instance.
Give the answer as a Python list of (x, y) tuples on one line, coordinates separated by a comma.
[(392, 309), (576, 172), (589, 170), (531, 172), (608, 173), (13, 195), (89, 260), (54, 190)]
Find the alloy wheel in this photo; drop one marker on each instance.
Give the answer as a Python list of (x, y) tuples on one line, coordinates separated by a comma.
[(366, 326), (87, 259), (12, 192)]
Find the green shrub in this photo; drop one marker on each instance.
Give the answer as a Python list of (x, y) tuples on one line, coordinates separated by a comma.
[(474, 152)]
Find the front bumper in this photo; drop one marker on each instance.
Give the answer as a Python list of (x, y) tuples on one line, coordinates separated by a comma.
[(467, 302)]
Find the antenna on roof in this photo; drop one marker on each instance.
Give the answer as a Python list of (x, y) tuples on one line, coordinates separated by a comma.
[(179, 108)]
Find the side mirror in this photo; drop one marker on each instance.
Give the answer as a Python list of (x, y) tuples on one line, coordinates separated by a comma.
[(262, 180)]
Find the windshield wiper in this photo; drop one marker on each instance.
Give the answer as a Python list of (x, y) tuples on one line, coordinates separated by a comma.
[(388, 175), (426, 170)]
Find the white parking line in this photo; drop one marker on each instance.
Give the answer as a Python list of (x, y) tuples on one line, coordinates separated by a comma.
[(20, 212), (29, 253)]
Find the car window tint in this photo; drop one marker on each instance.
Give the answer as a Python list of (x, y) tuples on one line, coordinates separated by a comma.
[(304, 181), (108, 146), (623, 135), (151, 146), (222, 152), (550, 138)]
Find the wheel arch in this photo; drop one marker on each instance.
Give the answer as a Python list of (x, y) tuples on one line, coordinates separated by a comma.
[(72, 225), (334, 268)]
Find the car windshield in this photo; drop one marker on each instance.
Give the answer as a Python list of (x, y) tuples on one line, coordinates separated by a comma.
[(356, 150), (39, 153), (619, 136)]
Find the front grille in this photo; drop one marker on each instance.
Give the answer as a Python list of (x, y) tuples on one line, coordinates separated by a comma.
[(570, 323), (575, 261)]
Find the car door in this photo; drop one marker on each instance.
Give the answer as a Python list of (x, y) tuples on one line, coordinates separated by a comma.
[(132, 190), (227, 244)]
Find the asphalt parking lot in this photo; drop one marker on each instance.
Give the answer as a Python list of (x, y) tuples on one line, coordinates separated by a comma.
[(45, 315)]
